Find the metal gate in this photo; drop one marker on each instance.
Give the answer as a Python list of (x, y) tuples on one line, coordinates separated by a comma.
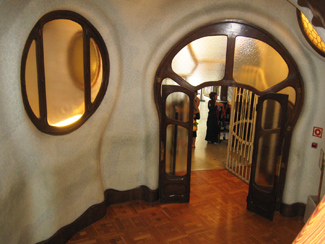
[(241, 133)]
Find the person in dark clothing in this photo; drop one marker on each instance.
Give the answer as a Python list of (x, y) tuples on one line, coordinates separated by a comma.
[(212, 134)]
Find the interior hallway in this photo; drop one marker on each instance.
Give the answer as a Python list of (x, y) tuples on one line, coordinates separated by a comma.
[(207, 156), (215, 214)]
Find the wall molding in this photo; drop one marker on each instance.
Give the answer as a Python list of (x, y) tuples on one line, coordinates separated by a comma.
[(98, 211)]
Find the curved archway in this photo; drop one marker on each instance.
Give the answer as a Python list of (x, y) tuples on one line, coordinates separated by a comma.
[(236, 42)]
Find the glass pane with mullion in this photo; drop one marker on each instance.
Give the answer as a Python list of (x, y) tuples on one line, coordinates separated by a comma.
[(267, 157), (271, 117), (63, 62), (266, 161), (202, 60), (258, 64), (178, 106), (176, 150)]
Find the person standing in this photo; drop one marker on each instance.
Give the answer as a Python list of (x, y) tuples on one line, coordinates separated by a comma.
[(212, 134)]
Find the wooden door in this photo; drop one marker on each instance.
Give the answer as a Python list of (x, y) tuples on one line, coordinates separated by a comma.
[(267, 154), (176, 132)]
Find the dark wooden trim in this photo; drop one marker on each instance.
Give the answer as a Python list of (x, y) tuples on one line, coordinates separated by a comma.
[(317, 7), (92, 214), (230, 57), (98, 211), (292, 210), (89, 31), (180, 184), (139, 193)]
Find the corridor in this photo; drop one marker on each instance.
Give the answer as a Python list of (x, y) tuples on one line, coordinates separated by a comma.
[(207, 156)]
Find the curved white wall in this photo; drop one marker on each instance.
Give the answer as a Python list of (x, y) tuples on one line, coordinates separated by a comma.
[(49, 181)]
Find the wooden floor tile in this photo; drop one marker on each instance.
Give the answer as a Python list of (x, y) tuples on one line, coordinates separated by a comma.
[(215, 214)]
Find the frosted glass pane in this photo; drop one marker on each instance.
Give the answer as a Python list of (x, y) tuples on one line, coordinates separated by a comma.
[(65, 99), (210, 48), (291, 92), (178, 106), (31, 80), (96, 69), (266, 161), (206, 71), (183, 63), (271, 117), (176, 150), (257, 64), (202, 60), (168, 81)]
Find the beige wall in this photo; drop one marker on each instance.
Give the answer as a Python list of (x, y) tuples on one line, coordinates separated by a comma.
[(48, 181)]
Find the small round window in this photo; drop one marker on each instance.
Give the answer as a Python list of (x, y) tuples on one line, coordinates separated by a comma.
[(64, 74)]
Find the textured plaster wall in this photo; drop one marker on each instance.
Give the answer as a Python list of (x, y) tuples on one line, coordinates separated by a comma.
[(303, 176), (48, 181)]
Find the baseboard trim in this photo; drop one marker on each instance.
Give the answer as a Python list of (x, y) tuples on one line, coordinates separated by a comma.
[(292, 210), (98, 211), (139, 193)]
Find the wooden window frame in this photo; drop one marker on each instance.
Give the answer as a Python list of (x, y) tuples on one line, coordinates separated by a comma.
[(89, 32)]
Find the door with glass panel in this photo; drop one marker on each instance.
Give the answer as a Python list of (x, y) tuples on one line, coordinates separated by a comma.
[(232, 54), (176, 140), (267, 154)]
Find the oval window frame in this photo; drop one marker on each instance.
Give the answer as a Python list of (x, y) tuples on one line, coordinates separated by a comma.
[(89, 32)]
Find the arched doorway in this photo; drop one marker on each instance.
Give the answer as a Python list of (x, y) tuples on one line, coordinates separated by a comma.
[(229, 54)]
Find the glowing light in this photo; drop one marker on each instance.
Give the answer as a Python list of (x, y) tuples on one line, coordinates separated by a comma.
[(312, 34), (68, 121)]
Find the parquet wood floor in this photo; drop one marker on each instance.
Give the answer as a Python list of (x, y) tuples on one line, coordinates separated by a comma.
[(216, 214)]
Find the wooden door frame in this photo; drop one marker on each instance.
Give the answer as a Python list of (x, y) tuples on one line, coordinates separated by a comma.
[(261, 199), (225, 27), (179, 184)]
